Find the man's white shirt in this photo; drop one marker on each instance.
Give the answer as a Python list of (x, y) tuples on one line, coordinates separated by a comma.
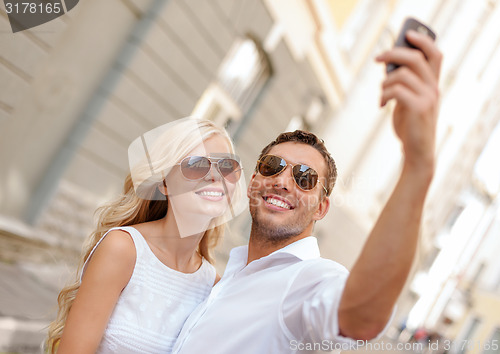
[(282, 303)]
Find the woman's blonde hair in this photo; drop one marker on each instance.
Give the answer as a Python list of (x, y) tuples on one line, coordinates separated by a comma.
[(128, 209)]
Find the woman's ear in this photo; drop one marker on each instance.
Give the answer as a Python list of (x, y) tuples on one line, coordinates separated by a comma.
[(163, 188), (250, 185)]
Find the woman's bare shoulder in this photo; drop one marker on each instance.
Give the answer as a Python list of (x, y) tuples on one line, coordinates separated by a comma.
[(116, 253)]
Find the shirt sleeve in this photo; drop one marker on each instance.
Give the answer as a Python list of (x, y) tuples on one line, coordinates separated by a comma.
[(310, 306)]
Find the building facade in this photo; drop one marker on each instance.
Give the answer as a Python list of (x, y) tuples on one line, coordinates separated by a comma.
[(78, 90)]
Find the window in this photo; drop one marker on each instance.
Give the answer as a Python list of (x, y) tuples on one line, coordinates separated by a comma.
[(240, 78)]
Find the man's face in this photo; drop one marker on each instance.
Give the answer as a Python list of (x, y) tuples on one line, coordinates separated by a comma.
[(279, 208)]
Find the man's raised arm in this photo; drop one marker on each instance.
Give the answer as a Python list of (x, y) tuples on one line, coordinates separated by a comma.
[(382, 268)]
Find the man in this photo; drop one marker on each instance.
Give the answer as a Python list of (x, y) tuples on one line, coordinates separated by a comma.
[(277, 294)]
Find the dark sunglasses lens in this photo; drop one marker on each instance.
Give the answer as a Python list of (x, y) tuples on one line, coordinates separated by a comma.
[(270, 165), (305, 177), (195, 167), (230, 169)]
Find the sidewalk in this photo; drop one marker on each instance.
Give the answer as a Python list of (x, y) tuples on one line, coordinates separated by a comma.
[(31, 276), (26, 308)]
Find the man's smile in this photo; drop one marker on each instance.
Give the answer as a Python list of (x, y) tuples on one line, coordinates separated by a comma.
[(277, 203)]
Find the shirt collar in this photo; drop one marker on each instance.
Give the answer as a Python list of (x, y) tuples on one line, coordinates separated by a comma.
[(304, 249)]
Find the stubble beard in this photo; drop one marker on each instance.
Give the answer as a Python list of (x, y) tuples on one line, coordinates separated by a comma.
[(269, 232)]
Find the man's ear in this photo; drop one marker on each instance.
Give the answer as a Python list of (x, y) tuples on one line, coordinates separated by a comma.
[(323, 207), (250, 185)]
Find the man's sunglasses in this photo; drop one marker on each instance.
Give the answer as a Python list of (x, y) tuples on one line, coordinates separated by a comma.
[(197, 167), (304, 176)]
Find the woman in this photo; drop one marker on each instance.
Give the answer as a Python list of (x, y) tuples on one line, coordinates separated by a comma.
[(146, 266)]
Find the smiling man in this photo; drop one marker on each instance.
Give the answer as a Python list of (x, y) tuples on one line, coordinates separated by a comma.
[(277, 294), (283, 205)]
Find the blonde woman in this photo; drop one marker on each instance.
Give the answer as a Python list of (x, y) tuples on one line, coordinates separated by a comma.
[(148, 264)]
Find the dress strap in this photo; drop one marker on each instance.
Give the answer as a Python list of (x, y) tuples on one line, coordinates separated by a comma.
[(130, 230)]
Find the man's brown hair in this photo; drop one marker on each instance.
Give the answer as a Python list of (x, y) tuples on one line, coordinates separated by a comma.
[(301, 136)]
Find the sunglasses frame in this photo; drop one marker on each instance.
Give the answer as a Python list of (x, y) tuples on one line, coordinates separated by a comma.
[(213, 160), (291, 172)]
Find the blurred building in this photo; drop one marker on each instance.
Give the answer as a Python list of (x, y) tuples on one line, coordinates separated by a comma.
[(76, 91)]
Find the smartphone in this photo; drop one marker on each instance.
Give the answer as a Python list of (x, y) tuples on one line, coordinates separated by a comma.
[(409, 24)]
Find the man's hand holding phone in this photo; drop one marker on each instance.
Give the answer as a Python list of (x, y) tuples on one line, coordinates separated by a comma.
[(413, 83), (401, 41)]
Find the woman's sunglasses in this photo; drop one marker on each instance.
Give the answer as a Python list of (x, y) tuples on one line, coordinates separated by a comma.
[(197, 167), (304, 176)]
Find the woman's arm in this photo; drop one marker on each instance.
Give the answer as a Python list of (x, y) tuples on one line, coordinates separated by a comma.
[(107, 273)]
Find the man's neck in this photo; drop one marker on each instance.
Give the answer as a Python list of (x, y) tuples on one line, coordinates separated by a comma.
[(259, 246)]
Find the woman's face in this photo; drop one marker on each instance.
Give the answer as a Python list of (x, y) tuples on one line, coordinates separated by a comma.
[(196, 202)]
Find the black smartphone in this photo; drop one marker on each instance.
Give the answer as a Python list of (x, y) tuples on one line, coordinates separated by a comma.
[(409, 24)]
